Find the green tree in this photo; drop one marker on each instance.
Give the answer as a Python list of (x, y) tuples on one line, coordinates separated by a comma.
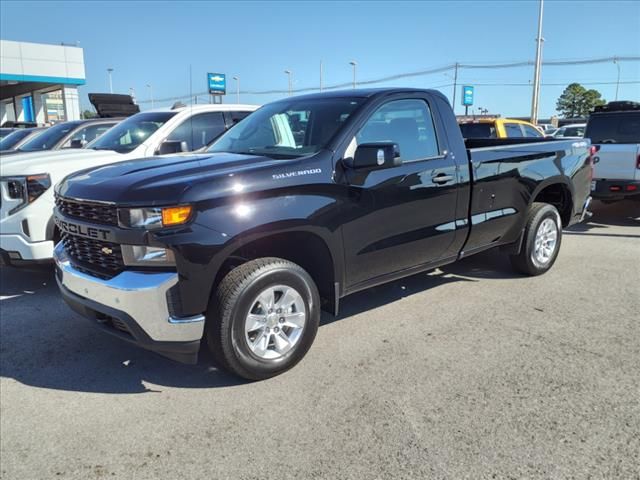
[(577, 101), (89, 114)]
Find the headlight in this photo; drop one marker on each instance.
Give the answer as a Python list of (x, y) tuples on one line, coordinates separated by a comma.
[(27, 189), (152, 218), (143, 255)]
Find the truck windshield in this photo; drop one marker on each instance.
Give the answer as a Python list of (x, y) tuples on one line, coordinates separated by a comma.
[(614, 128), (478, 130), (288, 129), (49, 138), (130, 133)]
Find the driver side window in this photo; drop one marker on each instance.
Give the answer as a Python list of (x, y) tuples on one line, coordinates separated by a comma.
[(408, 123)]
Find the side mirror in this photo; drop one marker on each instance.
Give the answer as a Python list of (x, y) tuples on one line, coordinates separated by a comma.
[(376, 156), (172, 146), (77, 143)]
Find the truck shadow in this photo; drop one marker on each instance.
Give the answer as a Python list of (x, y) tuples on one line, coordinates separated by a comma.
[(44, 344), (620, 214)]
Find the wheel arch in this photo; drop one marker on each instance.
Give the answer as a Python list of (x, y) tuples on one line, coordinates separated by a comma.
[(302, 247), (556, 191)]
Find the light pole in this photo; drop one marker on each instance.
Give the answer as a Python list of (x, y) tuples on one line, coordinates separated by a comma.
[(354, 64), (237, 79), (150, 87), (288, 72), (110, 71), (617, 62), (536, 73)]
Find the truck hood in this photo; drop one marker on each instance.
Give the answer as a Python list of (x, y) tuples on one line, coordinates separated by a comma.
[(169, 179), (57, 163)]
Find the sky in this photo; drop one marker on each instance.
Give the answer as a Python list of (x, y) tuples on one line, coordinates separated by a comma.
[(172, 45)]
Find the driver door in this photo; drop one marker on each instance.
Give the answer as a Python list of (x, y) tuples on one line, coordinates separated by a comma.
[(404, 216)]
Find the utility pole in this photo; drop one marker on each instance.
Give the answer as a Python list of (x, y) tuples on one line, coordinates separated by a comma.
[(237, 79), (455, 86), (150, 87), (132, 92), (617, 62), (320, 75), (288, 72), (354, 64), (536, 74), (110, 71)]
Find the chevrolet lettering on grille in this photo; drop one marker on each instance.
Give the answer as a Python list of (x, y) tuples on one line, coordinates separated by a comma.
[(83, 230)]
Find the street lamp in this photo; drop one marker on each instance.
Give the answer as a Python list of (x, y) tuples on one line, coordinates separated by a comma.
[(288, 72), (150, 87), (110, 71), (237, 79), (354, 64), (617, 62), (536, 72)]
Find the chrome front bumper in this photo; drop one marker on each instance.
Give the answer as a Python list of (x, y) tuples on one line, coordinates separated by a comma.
[(131, 296)]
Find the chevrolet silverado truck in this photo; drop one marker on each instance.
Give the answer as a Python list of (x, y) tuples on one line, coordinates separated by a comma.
[(306, 201), (27, 230), (614, 131)]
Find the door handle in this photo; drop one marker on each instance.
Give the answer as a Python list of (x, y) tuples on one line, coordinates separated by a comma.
[(442, 178)]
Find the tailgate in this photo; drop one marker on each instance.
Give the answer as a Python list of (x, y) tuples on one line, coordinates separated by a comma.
[(617, 162)]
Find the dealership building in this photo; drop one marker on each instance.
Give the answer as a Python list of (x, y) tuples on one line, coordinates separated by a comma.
[(39, 82)]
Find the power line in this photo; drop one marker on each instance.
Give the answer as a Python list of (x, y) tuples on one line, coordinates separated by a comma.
[(431, 71)]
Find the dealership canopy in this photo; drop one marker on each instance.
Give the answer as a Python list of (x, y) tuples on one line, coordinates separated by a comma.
[(39, 82)]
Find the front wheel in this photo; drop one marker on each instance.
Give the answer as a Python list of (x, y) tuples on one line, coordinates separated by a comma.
[(263, 318), (542, 238)]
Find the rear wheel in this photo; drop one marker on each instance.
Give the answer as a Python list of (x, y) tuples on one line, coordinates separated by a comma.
[(542, 238), (263, 318)]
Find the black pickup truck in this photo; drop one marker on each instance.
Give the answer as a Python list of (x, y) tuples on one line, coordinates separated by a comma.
[(306, 201)]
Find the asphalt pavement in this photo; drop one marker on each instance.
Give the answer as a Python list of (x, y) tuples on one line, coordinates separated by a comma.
[(469, 371)]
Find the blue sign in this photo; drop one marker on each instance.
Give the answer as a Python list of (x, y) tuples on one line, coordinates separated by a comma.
[(467, 95), (217, 83)]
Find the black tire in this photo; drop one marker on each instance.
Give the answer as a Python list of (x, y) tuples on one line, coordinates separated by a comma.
[(525, 262), (231, 304)]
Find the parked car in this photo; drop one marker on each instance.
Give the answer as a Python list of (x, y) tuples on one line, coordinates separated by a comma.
[(575, 130), (614, 129), (17, 138), (498, 128), (254, 237), (550, 131), (27, 231), (64, 135)]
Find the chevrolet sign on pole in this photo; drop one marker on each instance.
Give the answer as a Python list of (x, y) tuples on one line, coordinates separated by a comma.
[(467, 97), (217, 83)]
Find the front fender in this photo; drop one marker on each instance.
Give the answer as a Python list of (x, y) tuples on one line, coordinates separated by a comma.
[(202, 248)]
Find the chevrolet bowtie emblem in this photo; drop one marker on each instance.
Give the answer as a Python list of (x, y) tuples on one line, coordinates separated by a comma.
[(106, 250)]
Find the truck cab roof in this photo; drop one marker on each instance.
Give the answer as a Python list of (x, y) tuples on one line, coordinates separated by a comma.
[(359, 93)]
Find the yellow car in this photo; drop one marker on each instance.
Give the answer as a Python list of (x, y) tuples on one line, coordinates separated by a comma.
[(497, 128)]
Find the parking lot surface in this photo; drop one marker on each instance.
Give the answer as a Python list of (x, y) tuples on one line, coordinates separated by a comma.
[(469, 371)]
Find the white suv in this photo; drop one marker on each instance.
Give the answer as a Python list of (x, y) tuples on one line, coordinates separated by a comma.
[(614, 130), (27, 231)]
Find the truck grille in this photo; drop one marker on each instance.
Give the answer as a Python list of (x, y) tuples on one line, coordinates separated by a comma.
[(91, 212), (98, 258)]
